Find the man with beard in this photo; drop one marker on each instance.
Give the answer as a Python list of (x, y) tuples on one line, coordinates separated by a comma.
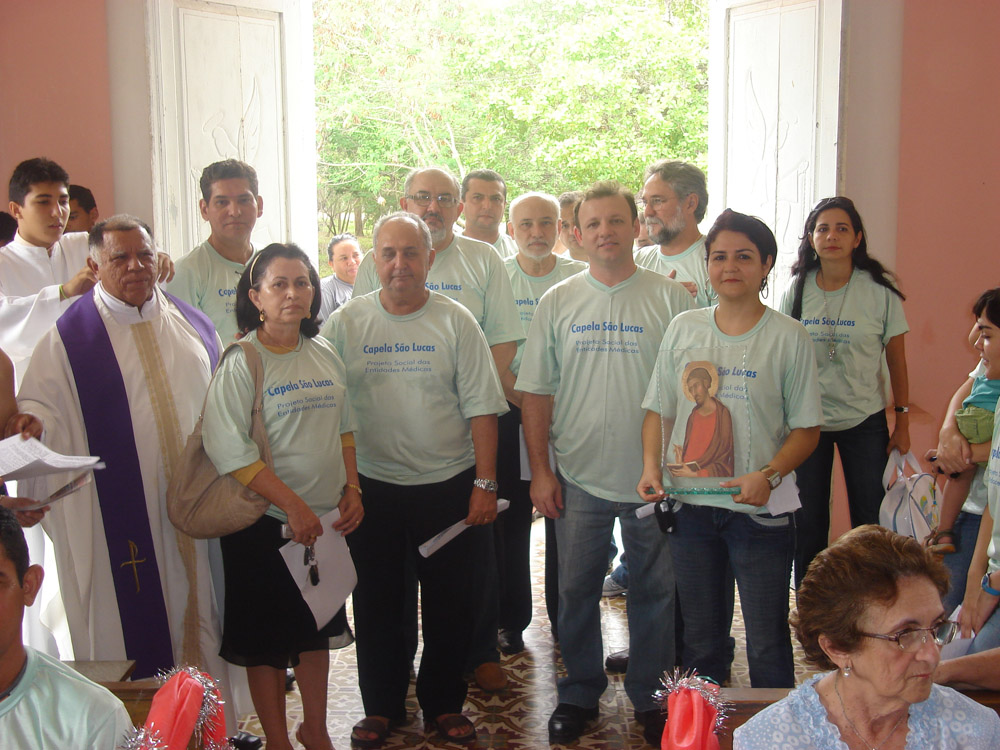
[(673, 200), (484, 194)]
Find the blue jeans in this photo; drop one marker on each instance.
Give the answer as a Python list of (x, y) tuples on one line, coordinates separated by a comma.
[(988, 636), (706, 541), (863, 457), (583, 532), (966, 528)]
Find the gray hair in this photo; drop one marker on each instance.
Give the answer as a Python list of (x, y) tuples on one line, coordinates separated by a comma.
[(117, 223), (416, 221), (684, 179), (443, 170), (550, 199)]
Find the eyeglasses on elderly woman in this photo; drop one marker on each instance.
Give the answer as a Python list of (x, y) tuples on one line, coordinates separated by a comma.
[(912, 639)]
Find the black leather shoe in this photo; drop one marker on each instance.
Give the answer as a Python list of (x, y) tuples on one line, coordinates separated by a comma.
[(652, 723), (510, 642), (568, 721), (617, 662), (246, 741)]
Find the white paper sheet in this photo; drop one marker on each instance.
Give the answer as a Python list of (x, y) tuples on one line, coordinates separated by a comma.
[(23, 459), (440, 539), (337, 576), (65, 491)]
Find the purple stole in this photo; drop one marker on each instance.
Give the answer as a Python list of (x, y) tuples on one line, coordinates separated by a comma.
[(110, 435)]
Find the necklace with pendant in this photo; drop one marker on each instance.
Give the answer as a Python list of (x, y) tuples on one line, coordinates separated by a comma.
[(831, 351), (854, 729)]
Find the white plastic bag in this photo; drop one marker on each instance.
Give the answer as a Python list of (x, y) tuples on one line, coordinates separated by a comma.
[(910, 503)]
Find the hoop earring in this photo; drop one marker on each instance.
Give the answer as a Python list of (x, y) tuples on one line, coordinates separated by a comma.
[(262, 315), (815, 255), (710, 294), (764, 288)]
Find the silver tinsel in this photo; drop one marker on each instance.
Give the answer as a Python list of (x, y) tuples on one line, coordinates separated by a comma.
[(691, 681), (211, 703), (141, 738)]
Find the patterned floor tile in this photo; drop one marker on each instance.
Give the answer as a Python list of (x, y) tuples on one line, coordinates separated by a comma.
[(516, 718)]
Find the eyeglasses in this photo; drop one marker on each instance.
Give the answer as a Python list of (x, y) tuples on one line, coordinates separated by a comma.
[(309, 558), (913, 638), (424, 199), (656, 202)]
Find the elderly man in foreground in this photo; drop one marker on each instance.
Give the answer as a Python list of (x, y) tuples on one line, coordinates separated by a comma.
[(122, 376), (426, 393)]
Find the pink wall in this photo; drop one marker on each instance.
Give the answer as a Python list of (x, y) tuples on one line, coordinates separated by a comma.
[(949, 191), (55, 99)]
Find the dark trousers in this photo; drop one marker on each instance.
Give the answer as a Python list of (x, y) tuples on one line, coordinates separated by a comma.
[(397, 520), (506, 584), (863, 457)]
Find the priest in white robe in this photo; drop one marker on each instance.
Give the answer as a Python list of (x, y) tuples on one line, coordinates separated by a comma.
[(123, 375)]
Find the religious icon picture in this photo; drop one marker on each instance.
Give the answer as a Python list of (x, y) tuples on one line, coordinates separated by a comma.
[(707, 448)]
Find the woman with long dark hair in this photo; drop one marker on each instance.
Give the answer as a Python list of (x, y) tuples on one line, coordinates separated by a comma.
[(852, 310)]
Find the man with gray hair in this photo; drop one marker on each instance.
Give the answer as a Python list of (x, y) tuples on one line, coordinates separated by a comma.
[(673, 201), (123, 375), (427, 396), (534, 224)]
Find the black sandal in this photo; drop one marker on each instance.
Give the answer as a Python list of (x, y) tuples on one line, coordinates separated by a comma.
[(446, 722), (380, 727)]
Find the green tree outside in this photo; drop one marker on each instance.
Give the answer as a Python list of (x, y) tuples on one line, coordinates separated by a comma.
[(552, 95)]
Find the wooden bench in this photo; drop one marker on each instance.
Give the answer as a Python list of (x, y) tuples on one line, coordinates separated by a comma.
[(746, 702)]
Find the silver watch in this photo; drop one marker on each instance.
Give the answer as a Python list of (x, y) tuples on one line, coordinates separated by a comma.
[(486, 485), (772, 475)]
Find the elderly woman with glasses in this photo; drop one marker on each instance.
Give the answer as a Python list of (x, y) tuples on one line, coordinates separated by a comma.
[(869, 609)]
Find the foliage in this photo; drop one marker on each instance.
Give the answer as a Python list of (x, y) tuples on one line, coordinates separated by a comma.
[(552, 95)]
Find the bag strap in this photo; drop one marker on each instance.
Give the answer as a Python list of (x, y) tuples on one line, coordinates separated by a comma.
[(895, 467), (257, 430)]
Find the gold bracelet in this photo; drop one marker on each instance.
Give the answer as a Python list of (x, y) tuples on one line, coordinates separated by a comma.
[(354, 487)]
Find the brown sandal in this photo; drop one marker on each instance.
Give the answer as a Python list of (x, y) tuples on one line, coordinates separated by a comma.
[(447, 723), (934, 544)]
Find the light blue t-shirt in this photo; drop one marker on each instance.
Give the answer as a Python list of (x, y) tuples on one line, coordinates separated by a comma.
[(761, 383), (529, 289), (689, 265), (206, 280), (54, 707), (415, 382), (305, 412), (471, 273), (947, 719), (858, 320), (593, 348)]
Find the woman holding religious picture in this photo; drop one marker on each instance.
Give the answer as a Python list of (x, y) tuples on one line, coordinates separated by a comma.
[(869, 611), (268, 626), (853, 312), (734, 388)]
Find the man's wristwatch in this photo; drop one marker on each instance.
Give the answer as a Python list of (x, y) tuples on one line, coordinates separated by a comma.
[(986, 586), (486, 485), (772, 475)]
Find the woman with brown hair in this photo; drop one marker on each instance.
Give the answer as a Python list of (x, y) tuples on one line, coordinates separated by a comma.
[(869, 609)]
